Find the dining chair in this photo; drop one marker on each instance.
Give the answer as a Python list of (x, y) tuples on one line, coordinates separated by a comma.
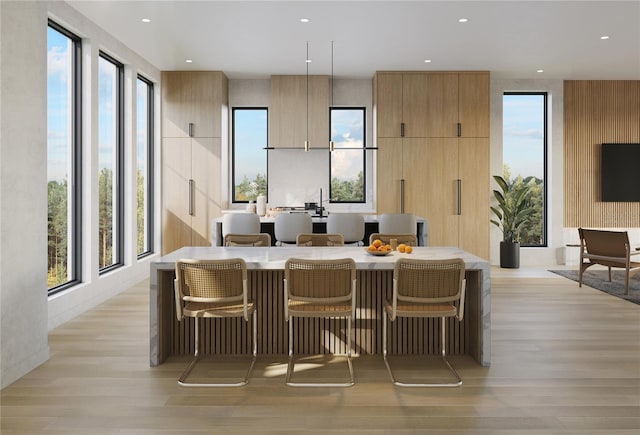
[(406, 238), (324, 289), (350, 225), (247, 240), (287, 226), (213, 289), (319, 239), (426, 289)]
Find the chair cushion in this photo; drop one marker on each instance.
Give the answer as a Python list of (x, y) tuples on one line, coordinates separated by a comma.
[(407, 309), (316, 309)]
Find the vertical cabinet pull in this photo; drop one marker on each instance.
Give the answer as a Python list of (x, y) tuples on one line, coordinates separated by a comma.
[(191, 129), (402, 129), (459, 183), (459, 129), (191, 198), (402, 195)]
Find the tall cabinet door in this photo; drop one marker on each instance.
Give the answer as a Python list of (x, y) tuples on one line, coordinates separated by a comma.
[(414, 104), (176, 172), (388, 104), (473, 104), (205, 166), (431, 171), (474, 195), (442, 105), (389, 174)]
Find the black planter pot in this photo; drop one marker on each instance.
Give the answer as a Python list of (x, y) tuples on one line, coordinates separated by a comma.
[(510, 255)]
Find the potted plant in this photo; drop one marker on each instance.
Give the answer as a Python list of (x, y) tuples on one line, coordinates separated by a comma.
[(513, 211)]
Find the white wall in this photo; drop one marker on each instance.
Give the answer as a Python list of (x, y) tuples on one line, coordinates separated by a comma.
[(310, 170), (553, 254), (26, 312)]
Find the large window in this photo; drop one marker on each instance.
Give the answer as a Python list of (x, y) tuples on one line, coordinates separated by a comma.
[(110, 163), (63, 158), (347, 171), (144, 169), (249, 155), (525, 155)]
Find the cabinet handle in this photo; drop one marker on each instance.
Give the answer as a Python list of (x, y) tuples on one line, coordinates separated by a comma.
[(191, 129), (191, 201), (402, 129), (459, 129), (402, 195), (459, 183)]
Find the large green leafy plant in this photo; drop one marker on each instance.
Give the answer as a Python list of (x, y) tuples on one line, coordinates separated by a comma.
[(514, 207)]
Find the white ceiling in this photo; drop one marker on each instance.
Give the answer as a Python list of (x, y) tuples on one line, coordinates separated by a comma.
[(512, 39)]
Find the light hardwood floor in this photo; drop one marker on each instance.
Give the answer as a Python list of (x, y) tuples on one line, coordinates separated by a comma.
[(565, 360)]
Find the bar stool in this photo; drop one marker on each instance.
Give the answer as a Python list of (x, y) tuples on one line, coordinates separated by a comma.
[(350, 225), (218, 289), (397, 223), (319, 288), (287, 226), (240, 223), (428, 289)]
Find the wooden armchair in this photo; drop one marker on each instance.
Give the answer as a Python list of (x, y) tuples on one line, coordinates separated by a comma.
[(607, 248)]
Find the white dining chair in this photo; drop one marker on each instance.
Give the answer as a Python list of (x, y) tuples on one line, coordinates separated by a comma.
[(287, 226), (350, 225)]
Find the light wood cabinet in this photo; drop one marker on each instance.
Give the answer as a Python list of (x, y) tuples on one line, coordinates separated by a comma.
[(194, 123), (443, 161), (288, 111)]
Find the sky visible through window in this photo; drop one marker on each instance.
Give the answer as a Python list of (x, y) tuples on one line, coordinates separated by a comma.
[(249, 141), (59, 99), (347, 131), (523, 134)]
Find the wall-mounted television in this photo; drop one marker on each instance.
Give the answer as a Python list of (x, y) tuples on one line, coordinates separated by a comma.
[(620, 172)]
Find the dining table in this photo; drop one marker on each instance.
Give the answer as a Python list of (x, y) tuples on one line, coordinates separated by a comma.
[(374, 273)]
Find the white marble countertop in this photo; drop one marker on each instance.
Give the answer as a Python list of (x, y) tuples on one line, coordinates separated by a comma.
[(275, 257)]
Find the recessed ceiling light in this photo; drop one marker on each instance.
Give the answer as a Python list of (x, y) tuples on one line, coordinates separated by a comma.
[(540, 70), (427, 61), (146, 20), (463, 20), (604, 37), (308, 61), (189, 61), (304, 20)]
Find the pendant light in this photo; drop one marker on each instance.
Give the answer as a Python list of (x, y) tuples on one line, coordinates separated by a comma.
[(331, 144), (306, 142)]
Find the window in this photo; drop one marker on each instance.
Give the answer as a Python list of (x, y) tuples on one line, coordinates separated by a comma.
[(63, 158), (144, 169), (347, 171), (525, 155), (110, 163), (249, 155)]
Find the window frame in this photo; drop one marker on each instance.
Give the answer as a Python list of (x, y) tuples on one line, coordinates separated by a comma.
[(118, 203), (75, 181), (545, 162), (364, 153), (233, 151), (149, 212)]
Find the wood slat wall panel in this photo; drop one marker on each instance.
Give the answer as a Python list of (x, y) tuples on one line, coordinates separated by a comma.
[(597, 112), (322, 336)]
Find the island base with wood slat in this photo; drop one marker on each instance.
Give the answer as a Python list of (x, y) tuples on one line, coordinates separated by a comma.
[(313, 336)]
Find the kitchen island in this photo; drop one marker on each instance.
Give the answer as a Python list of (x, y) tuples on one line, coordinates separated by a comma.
[(320, 226), (265, 275)]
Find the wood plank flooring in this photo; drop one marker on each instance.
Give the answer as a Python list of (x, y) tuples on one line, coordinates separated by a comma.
[(565, 360)]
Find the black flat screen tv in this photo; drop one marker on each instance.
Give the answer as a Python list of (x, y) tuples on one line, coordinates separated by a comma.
[(620, 172)]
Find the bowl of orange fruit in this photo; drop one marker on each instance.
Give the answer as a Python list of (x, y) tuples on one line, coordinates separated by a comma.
[(377, 247)]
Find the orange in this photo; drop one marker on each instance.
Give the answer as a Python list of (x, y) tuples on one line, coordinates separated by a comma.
[(372, 248), (402, 247), (408, 249), (377, 243), (387, 247)]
